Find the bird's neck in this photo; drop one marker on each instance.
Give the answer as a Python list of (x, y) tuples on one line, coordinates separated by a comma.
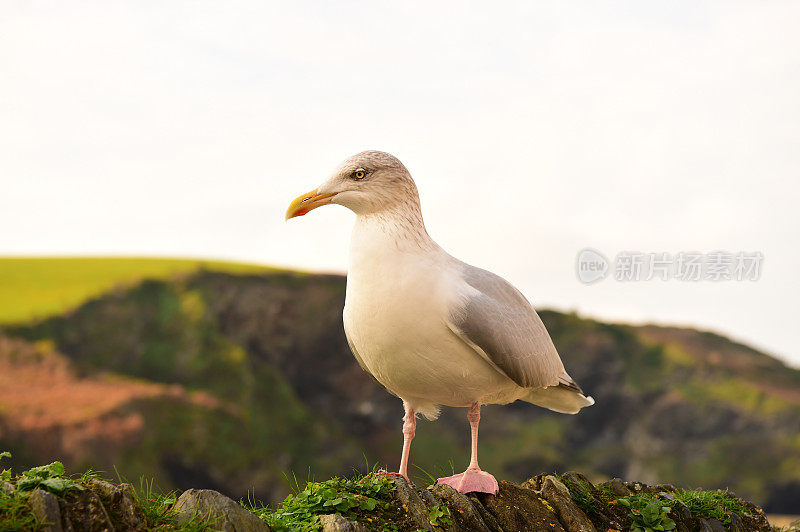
[(401, 228)]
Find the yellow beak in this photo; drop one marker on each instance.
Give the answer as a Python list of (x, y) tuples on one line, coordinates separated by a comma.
[(307, 202)]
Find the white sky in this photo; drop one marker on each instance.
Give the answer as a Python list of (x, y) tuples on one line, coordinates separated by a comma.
[(533, 129)]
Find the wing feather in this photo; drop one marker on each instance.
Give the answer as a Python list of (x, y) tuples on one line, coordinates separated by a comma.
[(502, 326)]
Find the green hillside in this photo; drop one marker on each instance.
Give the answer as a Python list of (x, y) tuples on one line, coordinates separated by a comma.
[(673, 405), (39, 287)]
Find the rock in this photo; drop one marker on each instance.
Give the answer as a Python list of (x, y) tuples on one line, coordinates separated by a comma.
[(736, 524), (488, 518), (669, 488), (572, 517), (120, 503), (45, 508), (337, 523), (682, 517), (412, 502), (428, 497), (517, 508), (8, 488), (604, 517), (462, 511), (618, 487), (711, 525), (223, 512), (83, 511)]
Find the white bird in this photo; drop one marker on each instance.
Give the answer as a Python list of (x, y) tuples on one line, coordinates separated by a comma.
[(431, 329)]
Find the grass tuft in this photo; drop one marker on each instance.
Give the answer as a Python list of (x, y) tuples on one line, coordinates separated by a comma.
[(157, 506), (718, 504)]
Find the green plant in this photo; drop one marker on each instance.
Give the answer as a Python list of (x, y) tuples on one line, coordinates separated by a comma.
[(155, 504), (88, 475), (439, 515), (355, 498), (15, 512), (5, 474), (648, 515), (48, 477)]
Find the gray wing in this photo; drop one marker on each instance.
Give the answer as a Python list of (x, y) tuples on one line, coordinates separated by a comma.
[(503, 327)]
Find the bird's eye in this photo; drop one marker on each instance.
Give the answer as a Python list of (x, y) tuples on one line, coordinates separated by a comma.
[(360, 174)]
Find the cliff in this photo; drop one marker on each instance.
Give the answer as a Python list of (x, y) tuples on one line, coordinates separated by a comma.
[(228, 381)]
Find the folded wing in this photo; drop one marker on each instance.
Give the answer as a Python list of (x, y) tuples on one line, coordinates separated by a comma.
[(501, 325)]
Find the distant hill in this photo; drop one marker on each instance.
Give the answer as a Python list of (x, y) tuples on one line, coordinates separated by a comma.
[(240, 377), (40, 287)]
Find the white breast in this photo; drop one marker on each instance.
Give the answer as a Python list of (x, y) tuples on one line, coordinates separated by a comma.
[(398, 295)]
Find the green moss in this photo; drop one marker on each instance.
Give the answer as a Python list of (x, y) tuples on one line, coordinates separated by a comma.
[(717, 505)]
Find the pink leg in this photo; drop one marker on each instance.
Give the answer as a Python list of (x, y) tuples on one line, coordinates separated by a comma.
[(409, 428), (473, 479)]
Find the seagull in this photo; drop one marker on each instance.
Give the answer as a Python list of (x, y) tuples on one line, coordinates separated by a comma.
[(431, 329)]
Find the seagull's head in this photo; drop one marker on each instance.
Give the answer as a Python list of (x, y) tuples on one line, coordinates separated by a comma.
[(366, 183)]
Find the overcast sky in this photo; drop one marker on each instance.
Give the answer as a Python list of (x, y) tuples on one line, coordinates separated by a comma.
[(533, 130)]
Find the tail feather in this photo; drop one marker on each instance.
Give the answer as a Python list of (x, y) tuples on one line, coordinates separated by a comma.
[(561, 398)]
